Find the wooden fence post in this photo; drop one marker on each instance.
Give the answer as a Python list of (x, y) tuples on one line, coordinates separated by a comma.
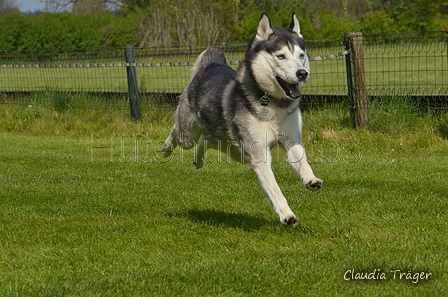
[(446, 35), (132, 82), (356, 80)]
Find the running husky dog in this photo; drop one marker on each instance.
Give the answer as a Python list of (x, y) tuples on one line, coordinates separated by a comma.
[(247, 112)]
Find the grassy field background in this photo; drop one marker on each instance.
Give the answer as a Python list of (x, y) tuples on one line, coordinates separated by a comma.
[(88, 208)]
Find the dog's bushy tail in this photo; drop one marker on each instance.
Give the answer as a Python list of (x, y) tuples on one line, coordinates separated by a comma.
[(207, 57)]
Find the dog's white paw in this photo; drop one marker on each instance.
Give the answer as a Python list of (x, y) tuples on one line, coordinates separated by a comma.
[(291, 221), (314, 184), (288, 218)]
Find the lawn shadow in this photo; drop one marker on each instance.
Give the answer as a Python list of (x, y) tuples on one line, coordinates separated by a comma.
[(223, 218)]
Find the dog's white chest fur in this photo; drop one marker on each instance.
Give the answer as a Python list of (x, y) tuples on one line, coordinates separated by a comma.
[(274, 122)]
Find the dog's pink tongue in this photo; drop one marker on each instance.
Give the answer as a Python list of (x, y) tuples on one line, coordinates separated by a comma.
[(294, 91)]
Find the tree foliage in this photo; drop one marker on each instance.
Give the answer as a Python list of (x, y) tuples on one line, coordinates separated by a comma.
[(149, 23), (62, 30)]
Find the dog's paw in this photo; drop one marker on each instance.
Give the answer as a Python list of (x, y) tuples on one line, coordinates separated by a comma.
[(314, 184), (199, 164), (291, 221), (166, 154), (167, 149)]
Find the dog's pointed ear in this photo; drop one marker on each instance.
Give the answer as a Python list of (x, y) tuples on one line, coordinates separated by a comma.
[(264, 27), (295, 25)]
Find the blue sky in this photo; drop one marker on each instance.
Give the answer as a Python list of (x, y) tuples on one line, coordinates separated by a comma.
[(29, 5)]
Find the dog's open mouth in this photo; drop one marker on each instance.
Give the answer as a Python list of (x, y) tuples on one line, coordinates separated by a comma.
[(291, 90)]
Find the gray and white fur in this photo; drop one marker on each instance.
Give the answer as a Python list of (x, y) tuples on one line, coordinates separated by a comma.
[(245, 113)]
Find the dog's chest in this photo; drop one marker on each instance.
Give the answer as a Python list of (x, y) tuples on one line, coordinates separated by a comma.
[(270, 122), (270, 114)]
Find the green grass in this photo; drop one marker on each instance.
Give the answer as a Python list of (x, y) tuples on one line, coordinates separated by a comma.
[(73, 225)]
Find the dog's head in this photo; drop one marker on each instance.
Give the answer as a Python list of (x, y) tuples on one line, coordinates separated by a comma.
[(279, 61)]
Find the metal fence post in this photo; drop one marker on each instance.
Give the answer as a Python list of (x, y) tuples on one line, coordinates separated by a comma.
[(356, 79), (132, 82)]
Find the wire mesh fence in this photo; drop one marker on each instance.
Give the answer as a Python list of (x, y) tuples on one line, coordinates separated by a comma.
[(327, 86), (406, 70)]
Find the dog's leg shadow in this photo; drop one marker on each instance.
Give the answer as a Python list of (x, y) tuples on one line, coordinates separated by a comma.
[(236, 220), (224, 218)]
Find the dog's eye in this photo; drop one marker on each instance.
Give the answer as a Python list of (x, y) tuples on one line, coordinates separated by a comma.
[(280, 57)]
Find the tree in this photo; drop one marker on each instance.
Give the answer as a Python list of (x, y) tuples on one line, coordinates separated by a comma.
[(174, 21), (89, 7), (153, 28), (55, 6), (81, 6), (8, 6)]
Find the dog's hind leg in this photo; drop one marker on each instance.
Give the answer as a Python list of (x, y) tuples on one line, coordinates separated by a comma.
[(185, 132), (170, 143), (200, 153), (186, 137)]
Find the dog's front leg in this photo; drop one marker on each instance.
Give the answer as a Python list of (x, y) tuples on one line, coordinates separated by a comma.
[(296, 156), (262, 168)]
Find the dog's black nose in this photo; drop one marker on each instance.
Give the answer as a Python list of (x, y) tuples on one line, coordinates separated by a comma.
[(302, 74)]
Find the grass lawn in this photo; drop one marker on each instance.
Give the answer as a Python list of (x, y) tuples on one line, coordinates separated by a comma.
[(88, 208)]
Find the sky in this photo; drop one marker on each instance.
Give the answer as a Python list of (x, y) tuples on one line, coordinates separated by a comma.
[(30, 5)]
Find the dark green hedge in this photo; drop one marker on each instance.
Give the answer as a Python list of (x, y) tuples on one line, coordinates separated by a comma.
[(63, 30)]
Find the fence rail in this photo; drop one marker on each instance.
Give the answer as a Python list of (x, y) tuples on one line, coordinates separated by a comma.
[(404, 70)]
